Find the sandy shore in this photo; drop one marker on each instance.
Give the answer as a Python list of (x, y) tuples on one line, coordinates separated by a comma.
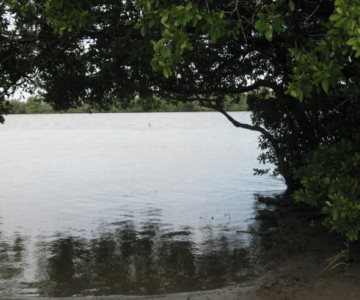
[(295, 253)]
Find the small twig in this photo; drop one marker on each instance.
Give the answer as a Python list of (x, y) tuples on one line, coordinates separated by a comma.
[(342, 103), (235, 9), (242, 27), (207, 6), (311, 15)]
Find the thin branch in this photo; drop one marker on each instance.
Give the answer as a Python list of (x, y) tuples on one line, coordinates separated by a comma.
[(311, 15), (207, 6), (242, 27), (235, 9), (218, 107), (238, 124), (5, 59)]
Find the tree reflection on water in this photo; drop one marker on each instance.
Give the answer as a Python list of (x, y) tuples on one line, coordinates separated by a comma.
[(11, 257), (130, 259)]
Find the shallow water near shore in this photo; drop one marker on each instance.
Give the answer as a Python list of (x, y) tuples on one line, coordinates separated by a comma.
[(108, 204)]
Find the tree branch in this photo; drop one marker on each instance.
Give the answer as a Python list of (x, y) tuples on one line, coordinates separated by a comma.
[(218, 107), (238, 124)]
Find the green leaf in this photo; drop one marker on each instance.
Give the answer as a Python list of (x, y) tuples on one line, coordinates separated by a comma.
[(278, 26), (335, 17), (166, 72), (335, 214), (269, 34), (260, 25), (325, 84), (183, 45), (291, 5), (351, 41), (164, 18)]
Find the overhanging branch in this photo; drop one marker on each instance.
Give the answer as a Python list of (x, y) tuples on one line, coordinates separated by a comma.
[(218, 107)]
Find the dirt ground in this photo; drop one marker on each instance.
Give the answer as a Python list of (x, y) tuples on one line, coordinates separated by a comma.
[(292, 251), (295, 254)]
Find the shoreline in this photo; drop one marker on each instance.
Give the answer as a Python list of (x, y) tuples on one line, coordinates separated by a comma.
[(292, 248)]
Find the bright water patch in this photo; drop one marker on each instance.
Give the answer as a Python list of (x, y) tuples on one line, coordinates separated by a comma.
[(125, 203)]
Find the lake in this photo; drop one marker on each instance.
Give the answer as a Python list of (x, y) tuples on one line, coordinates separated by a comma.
[(147, 203)]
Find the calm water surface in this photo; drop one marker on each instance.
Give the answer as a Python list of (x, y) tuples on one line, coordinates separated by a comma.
[(126, 203)]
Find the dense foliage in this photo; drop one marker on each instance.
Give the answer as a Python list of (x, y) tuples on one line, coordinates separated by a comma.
[(297, 62), (331, 181), (306, 56)]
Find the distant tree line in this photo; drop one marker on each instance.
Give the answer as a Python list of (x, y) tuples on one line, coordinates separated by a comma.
[(36, 105)]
